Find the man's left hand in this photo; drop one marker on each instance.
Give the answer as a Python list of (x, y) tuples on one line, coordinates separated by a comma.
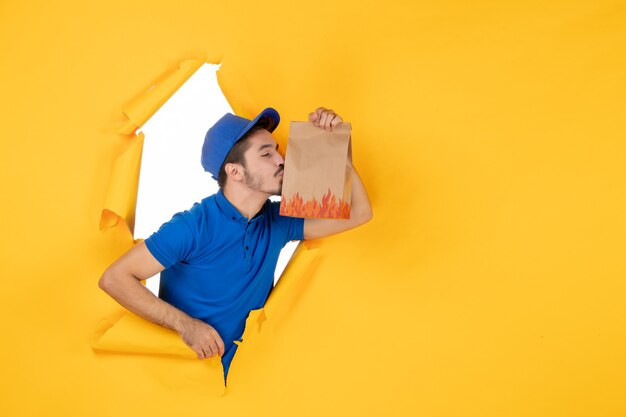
[(324, 118)]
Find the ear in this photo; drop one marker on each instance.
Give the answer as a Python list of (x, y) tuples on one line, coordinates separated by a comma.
[(234, 171)]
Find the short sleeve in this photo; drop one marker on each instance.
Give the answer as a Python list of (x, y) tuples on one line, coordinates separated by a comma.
[(173, 242), (292, 227)]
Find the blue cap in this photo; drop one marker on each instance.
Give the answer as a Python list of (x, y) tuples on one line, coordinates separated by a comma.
[(225, 133)]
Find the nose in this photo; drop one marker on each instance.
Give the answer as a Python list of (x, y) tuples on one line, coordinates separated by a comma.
[(279, 159)]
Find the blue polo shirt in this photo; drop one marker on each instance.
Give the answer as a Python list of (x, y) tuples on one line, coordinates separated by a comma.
[(218, 265)]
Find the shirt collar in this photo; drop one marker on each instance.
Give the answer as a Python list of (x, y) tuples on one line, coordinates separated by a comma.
[(231, 211)]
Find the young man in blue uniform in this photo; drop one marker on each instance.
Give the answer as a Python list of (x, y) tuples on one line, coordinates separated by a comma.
[(217, 259)]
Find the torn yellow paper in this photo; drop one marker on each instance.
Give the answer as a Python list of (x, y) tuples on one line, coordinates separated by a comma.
[(490, 138), (121, 194), (171, 178), (143, 107), (134, 334), (297, 269)]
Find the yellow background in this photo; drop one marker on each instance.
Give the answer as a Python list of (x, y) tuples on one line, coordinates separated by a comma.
[(490, 136)]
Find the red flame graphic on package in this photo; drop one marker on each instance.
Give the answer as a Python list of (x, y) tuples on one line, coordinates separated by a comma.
[(330, 208)]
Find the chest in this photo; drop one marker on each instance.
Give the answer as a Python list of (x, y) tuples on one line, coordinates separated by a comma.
[(236, 247)]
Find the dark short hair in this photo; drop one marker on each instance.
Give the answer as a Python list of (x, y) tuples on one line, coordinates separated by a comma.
[(236, 153)]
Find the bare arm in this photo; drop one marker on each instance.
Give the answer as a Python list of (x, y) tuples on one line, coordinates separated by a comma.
[(360, 207), (122, 282)]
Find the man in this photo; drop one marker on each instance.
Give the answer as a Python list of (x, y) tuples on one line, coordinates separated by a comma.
[(218, 258)]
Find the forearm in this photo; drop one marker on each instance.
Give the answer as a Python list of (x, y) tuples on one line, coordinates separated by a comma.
[(122, 282), (360, 206), (131, 294)]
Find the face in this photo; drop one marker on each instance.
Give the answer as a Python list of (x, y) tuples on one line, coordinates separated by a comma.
[(264, 164)]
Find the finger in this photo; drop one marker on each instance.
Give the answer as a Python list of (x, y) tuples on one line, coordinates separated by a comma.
[(313, 116), (220, 344), (199, 352), (210, 351), (320, 122), (326, 118), (337, 120), (213, 346), (329, 124), (319, 111)]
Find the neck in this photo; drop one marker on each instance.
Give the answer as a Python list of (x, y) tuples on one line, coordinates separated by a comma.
[(248, 202)]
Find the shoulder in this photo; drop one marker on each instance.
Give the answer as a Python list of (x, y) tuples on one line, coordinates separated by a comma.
[(183, 234), (197, 217), (205, 207), (201, 214)]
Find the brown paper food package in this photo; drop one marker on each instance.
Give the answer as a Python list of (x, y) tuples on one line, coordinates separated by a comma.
[(317, 179)]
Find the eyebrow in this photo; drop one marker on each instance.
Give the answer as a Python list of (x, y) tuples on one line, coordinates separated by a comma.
[(267, 146)]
